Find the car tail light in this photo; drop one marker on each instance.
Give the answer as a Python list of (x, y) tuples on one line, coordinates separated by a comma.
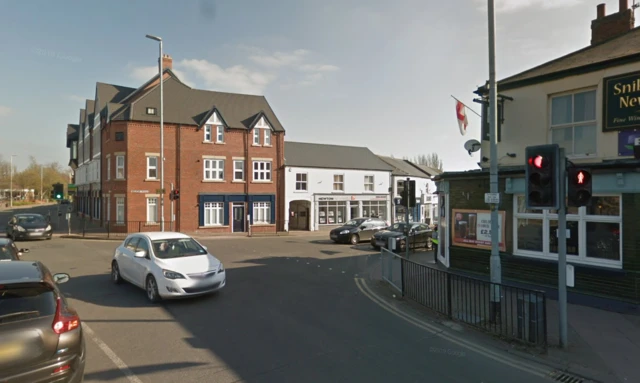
[(64, 321), (61, 369)]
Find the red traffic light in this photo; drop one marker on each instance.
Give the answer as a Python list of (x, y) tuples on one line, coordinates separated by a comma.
[(581, 177), (538, 161)]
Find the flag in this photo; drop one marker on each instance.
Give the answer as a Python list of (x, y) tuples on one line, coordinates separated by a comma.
[(462, 117)]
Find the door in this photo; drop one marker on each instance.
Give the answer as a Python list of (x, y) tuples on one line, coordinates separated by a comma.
[(443, 230), (141, 265), (126, 259), (238, 218)]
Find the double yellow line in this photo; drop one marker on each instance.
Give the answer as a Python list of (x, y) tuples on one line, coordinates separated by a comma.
[(541, 371)]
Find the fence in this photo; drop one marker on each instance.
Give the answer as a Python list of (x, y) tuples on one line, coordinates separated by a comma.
[(114, 229), (520, 314)]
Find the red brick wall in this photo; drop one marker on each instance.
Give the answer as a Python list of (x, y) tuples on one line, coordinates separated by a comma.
[(611, 26), (185, 170)]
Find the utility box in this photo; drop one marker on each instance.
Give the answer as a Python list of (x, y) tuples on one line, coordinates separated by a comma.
[(531, 318)]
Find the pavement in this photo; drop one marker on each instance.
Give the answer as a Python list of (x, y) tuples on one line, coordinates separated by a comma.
[(297, 309)]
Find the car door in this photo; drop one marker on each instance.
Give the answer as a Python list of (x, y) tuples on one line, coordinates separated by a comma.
[(140, 266), (125, 261), (422, 235), (366, 230)]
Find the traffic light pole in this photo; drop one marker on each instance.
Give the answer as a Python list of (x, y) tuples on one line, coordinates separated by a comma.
[(562, 249), (406, 218), (172, 228), (496, 267)]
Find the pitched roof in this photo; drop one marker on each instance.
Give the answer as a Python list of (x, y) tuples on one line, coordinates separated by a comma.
[(404, 167), (89, 106), (427, 169), (616, 51), (308, 155), (109, 93), (72, 133)]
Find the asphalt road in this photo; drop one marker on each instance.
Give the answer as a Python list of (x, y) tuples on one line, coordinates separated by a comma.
[(291, 312)]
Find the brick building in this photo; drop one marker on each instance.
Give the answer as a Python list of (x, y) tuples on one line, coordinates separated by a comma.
[(223, 152), (587, 103)]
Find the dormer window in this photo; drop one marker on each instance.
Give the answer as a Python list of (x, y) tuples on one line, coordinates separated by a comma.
[(151, 111)]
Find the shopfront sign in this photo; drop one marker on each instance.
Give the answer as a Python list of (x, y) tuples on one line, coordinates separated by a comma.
[(379, 197), (472, 228), (621, 102)]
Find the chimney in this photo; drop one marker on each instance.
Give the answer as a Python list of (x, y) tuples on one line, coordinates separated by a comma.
[(167, 62), (616, 24)]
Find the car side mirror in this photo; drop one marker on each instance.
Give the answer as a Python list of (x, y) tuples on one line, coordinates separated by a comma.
[(363, 227), (141, 254), (61, 278), (23, 250)]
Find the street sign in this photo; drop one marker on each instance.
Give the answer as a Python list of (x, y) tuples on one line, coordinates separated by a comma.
[(492, 198)]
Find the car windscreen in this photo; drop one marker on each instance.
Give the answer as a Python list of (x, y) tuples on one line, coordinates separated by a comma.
[(354, 222), (176, 248), (7, 252), (31, 219), (26, 302), (399, 227)]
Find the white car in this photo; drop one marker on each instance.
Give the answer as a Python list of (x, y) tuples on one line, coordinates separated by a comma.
[(167, 265)]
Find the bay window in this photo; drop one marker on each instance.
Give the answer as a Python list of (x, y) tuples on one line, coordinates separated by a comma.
[(261, 212), (213, 213), (593, 232)]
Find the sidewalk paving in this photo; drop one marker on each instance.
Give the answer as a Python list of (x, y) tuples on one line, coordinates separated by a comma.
[(603, 345)]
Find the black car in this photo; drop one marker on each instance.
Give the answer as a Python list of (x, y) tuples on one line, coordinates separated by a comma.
[(356, 230), (41, 335), (9, 251), (419, 235), (29, 226)]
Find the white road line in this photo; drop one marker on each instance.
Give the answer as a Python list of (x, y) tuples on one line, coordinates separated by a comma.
[(501, 358), (111, 355)]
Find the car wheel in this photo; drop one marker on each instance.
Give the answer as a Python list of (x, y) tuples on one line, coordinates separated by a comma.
[(115, 273), (152, 290), (355, 239)]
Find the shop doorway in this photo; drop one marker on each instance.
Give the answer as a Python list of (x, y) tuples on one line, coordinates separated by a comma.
[(299, 217)]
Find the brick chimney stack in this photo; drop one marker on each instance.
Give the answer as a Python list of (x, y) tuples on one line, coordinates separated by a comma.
[(607, 27), (167, 62)]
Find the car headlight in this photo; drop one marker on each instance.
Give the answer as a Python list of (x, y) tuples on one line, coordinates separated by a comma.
[(48, 228), (344, 232), (19, 228), (172, 274), (221, 268)]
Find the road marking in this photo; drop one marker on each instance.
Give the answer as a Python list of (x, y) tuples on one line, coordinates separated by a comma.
[(111, 355), (498, 357)]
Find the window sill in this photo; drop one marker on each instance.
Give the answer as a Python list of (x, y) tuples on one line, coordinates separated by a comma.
[(261, 182), (214, 143), (256, 145), (267, 146), (301, 191), (119, 224), (262, 224), (151, 224), (239, 182), (338, 192), (119, 179), (212, 226), (213, 181), (151, 180)]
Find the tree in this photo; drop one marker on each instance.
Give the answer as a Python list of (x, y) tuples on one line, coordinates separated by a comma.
[(431, 160), (34, 176)]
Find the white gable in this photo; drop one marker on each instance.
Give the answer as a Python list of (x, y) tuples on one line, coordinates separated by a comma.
[(262, 124), (214, 119)]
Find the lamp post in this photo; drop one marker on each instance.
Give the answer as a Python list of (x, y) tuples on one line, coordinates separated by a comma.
[(161, 70), (41, 179), (11, 180)]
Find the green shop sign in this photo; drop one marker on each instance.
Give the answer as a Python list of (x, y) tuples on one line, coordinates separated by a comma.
[(621, 109)]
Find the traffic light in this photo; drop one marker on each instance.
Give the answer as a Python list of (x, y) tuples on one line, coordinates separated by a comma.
[(579, 192), (542, 172), (409, 194), (175, 194), (58, 191)]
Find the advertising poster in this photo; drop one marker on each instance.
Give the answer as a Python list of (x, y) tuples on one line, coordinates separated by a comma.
[(626, 139), (472, 228)]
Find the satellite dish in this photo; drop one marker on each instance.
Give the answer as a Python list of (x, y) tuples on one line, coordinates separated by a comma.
[(472, 146)]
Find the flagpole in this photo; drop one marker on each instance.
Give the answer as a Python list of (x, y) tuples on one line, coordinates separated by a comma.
[(465, 105)]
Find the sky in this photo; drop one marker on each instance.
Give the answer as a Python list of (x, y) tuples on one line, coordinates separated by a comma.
[(371, 73)]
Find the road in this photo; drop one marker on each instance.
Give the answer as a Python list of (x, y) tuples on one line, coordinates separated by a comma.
[(291, 312)]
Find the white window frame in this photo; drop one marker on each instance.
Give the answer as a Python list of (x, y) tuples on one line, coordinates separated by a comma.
[(152, 209), (574, 124), (336, 183), (262, 213), (267, 137), (239, 169), (150, 168), (208, 131), (582, 218), (120, 167), (213, 169), (220, 134), (256, 136), (213, 214), (120, 204), (369, 186), (262, 175), (302, 185)]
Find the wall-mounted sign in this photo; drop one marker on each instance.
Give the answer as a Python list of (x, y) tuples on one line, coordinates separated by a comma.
[(139, 191), (472, 228), (626, 141), (621, 102)]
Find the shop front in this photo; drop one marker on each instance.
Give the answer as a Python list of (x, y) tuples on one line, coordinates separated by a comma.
[(334, 210)]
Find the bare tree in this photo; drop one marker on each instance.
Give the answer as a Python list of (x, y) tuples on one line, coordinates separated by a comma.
[(431, 160)]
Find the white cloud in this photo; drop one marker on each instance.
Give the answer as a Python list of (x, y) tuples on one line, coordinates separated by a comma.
[(73, 97), (232, 79), (280, 59), (5, 111), (504, 6)]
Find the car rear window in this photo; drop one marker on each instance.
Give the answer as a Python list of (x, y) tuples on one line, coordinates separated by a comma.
[(26, 302), (7, 252)]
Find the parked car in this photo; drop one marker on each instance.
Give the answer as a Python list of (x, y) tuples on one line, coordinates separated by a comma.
[(356, 230), (9, 251), (40, 334), (167, 265), (29, 226), (419, 235)]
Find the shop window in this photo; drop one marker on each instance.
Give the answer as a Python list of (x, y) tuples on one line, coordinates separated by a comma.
[(593, 233), (332, 212), (374, 209)]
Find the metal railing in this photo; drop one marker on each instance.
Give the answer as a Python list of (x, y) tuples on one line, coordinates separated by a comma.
[(520, 315), (116, 229)]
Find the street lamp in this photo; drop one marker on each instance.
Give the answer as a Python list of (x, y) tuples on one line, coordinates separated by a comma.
[(161, 70), (11, 180)]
